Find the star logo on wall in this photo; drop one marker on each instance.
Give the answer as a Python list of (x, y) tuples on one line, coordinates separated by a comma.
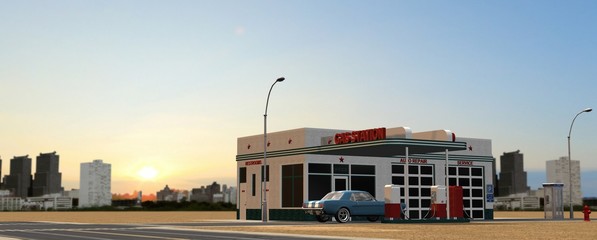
[(470, 147), (341, 159), (249, 146), (289, 140)]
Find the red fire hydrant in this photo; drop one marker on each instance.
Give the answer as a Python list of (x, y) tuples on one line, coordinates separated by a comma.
[(587, 211)]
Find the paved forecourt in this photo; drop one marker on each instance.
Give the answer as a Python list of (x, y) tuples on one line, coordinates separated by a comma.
[(68, 231)]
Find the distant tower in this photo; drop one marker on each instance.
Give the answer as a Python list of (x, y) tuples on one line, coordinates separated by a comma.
[(95, 184), (557, 172), (1, 183), (213, 189), (513, 178), (165, 194), (19, 180), (139, 198), (47, 178)]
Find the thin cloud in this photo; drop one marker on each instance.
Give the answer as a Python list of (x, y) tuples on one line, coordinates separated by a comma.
[(240, 31)]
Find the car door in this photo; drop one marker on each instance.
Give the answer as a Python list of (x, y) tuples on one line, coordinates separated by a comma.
[(358, 206), (366, 204)]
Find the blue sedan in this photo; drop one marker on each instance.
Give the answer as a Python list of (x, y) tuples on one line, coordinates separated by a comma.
[(344, 204)]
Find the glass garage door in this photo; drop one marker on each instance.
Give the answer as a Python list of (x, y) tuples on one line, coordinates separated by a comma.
[(470, 178), (420, 180)]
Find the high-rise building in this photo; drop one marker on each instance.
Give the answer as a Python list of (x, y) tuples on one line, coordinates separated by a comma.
[(513, 178), (1, 183), (165, 194), (206, 193), (47, 178), (19, 179), (95, 181), (558, 172)]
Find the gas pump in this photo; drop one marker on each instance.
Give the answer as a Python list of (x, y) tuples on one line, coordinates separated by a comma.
[(392, 207), (438, 201)]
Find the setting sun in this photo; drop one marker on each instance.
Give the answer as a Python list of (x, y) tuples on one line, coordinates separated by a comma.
[(147, 173)]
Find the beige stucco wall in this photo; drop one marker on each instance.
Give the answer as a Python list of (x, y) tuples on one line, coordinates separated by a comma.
[(308, 137)]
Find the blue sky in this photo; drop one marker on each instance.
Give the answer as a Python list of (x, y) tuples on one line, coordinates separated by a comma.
[(173, 84)]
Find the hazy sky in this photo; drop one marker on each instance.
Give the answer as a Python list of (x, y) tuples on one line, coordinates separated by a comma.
[(172, 84)]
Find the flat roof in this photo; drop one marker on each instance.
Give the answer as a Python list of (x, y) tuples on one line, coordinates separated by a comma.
[(391, 147)]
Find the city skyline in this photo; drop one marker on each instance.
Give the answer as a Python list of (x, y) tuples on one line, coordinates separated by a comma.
[(162, 90), (535, 181)]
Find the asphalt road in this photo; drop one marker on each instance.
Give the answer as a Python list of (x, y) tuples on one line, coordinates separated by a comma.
[(68, 231)]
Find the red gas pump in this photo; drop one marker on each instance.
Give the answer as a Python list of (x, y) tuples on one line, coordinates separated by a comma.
[(587, 211)]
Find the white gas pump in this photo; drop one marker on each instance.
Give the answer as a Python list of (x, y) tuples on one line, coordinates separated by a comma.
[(392, 208), (439, 201), (438, 194)]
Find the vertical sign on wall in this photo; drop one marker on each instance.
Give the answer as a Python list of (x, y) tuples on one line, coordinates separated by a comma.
[(489, 193)]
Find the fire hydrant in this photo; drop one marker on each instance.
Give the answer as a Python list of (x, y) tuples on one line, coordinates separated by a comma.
[(587, 211)]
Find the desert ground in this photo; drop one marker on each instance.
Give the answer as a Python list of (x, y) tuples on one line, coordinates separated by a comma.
[(502, 229)]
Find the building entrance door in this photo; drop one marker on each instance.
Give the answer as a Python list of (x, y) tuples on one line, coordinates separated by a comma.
[(340, 183), (242, 201)]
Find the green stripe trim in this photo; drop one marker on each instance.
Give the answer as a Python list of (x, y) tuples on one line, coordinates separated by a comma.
[(451, 146), (452, 157)]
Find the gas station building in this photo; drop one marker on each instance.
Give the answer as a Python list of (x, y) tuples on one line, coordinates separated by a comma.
[(304, 164)]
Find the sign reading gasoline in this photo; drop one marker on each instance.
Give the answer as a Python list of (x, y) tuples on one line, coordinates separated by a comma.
[(360, 136)]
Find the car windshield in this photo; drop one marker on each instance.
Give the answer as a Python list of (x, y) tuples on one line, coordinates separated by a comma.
[(332, 196)]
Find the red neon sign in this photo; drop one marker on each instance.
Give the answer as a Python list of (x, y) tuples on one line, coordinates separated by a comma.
[(255, 162), (465, 163), (360, 136)]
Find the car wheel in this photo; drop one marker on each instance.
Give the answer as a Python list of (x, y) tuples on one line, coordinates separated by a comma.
[(322, 218), (343, 215), (373, 218)]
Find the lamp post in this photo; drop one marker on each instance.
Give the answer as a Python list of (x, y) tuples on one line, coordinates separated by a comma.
[(264, 172), (570, 161)]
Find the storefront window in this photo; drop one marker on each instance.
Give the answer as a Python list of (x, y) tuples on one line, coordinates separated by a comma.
[(253, 184), (363, 183), (340, 168), (292, 185), (242, 175), (320, 168), (362, 169), (319, 186)]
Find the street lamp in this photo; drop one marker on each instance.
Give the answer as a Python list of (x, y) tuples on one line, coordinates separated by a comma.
[(264, 166), (570, 161)]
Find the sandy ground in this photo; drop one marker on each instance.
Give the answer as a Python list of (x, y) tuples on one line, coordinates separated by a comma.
[(475, 230)]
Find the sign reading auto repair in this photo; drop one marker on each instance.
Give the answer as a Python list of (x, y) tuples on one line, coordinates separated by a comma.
[(360, 136), (414, 160)]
